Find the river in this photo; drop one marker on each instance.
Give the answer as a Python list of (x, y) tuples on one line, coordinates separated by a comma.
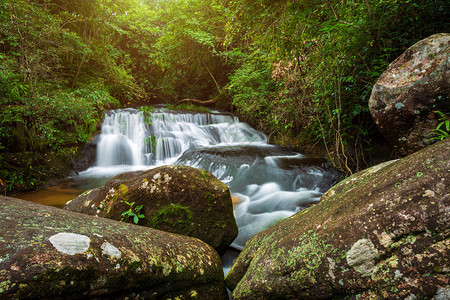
[(268, 183)]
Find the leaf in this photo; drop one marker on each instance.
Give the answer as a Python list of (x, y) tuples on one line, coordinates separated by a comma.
[(136, 219), (440, 113)]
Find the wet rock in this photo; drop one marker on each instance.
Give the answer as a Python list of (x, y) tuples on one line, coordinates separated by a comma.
[(86, 156), (50, 253), (239, 154), (383, 233), (406, 95), (176, 199)]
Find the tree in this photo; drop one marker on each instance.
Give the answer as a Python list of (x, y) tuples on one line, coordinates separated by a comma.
[(324, 57)]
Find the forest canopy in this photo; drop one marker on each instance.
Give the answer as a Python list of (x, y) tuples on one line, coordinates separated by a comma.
[(301, 71)]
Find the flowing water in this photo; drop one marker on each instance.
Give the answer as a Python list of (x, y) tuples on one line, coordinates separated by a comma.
[(268, 183)]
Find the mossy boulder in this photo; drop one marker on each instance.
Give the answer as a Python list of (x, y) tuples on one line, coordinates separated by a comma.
[(383, 233), (407, 94), (50, 253), (176, 199)]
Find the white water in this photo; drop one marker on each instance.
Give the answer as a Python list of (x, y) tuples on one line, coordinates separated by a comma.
[(270, 183)]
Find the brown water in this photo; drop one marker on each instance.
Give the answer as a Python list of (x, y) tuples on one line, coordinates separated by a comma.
[(57, 195)]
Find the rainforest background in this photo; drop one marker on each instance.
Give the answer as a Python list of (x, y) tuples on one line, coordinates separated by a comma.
[(301, 71)]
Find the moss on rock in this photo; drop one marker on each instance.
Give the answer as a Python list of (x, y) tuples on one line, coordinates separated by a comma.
[(381, 233), (172, 216), (49, 253), (177, 199)]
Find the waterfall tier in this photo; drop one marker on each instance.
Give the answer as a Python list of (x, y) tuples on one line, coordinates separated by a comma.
[(268, 182)]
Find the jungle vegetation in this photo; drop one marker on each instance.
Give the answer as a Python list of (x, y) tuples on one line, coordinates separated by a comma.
[(301, 71)]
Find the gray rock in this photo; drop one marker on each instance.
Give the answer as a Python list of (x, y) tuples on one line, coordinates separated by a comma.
[(46, 252)]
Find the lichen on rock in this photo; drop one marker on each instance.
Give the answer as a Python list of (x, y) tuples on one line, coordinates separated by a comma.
[(50, 253), (176, 199), (362, 257), (376, 235), (70, 243), (405, 97)]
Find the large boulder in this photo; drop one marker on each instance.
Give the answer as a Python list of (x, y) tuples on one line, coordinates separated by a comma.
[(383, 233), (176, 199), (50, 253), (406, 95)]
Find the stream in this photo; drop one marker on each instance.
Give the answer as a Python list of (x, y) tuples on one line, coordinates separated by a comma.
[(268, 183)]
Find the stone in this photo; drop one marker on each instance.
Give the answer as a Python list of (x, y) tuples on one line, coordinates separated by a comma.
[(382, 233), (86, 155), (405, 97), (50, 253), (176, 199)]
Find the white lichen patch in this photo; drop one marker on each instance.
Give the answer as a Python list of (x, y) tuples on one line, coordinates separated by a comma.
[(378, 167), (398, 275), (429, 193), (111, 251), (111, 193), (331, 268), (144, 185), (156, 182), (362, 257), (442, 294), (70, 243), (385, 239)]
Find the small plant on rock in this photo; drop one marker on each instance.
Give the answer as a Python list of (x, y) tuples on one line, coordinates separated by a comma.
[(442, 130), (133, 213)]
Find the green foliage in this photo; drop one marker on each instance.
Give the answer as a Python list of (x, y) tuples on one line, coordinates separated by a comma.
[(306, 68), (147, 112), (151, 141), (174, 48), (252, 90), (147, 109), (132, 213), (442, 131), (302, 71), (188, 107)]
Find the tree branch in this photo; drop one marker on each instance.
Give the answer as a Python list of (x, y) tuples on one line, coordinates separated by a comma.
[(196, 101)]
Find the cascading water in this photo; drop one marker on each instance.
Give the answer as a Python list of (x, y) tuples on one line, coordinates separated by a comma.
[(269, 183), (121, 139)]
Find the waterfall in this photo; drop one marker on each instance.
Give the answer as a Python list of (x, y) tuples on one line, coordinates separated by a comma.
[(122, 139), (268, 183), (129, 138)]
